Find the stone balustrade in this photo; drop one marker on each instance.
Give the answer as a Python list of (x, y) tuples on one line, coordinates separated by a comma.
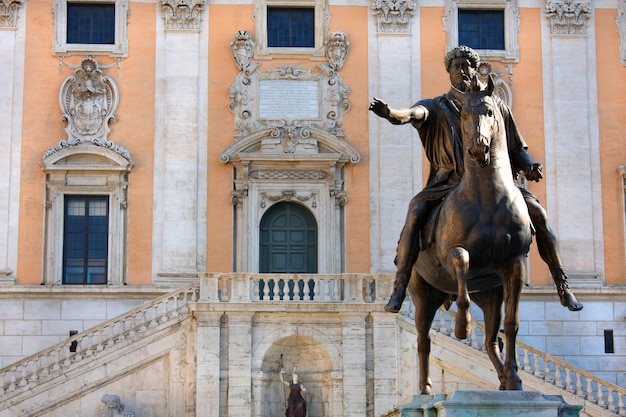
[(313, 288), (552, 370), (122, 329)]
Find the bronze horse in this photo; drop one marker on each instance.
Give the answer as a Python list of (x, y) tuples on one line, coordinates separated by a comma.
[(481, 237)]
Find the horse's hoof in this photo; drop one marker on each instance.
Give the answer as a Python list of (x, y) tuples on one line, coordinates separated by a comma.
[(514, 384)]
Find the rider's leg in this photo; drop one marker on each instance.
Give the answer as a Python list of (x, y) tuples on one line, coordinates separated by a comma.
[(547, 246), (406, 253)]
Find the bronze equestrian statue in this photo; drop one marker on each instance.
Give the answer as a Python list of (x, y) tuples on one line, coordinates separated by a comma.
[(438, 123), (481, 235)]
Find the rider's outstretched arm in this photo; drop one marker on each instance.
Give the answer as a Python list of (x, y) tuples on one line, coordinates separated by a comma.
[(398, 116)]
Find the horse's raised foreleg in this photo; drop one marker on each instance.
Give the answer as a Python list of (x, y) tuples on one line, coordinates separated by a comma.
[(459, 258), (512, 278), (426, 300), (490, 302)]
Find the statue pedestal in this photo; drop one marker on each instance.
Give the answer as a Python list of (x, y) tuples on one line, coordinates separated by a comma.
[(487, 404)]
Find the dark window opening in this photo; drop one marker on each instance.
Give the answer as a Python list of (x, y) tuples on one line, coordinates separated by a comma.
[(482, 29), (609, 346), (91, 23), (290, 27), (85, 240)]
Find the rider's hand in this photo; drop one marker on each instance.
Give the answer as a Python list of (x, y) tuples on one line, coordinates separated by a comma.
[(380, 108), (534, 172)]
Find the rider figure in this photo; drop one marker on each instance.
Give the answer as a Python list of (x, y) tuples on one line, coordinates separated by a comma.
[(438, 123)]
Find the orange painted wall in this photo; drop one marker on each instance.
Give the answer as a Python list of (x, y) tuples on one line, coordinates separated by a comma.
[(134, 129), (225, 21), (43, 128), (528, 111), (612, 114), (352, 20)]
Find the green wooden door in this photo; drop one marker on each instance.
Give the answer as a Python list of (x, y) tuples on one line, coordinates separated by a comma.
[(288, 240)]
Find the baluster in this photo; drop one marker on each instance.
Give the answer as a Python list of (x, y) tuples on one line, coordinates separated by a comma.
[(79, 350), (45, 365), (176, 307), (153, 321), (579, 385), (256, 283), (142, 324), (526, 361), (442, 322), (327, 294), (131, 330), (620, 405), (317, 295), (546, 370), (368, 292), (568, 381), (589, 394), (474, 338), (12, 379), (66, 355), (536, 371), (184, 308), (34, 375), (600, 393), (111, 340), (99, 344), (23, 380), (337, 284), (611, 400), (558, 381), (164, 314), (55, 362)]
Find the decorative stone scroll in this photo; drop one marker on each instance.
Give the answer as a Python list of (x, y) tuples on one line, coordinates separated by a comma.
[(8, 13), (288, 99), (112, 406), (393, 16), (568, 17), (88, 100), (182, 14)]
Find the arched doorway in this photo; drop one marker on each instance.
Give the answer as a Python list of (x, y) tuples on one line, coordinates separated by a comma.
[(288, 240)]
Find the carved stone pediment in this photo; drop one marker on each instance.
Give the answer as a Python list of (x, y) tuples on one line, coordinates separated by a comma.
[(280, 140), (88, 100)]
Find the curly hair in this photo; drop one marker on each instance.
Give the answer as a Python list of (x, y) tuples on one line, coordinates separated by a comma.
[(462, 52)]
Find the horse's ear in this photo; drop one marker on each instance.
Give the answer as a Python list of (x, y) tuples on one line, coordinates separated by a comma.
[(490, 84), (475, 85)]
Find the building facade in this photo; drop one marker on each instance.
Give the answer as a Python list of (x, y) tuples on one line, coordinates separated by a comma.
[(146, 143)]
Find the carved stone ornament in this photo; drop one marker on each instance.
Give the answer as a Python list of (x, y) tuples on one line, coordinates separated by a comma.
[(568, 17), (393, 16), (242, 49), (88, 100), (620, 20), (112, 407), (501, 79), (288, 99), (337, 49), (8, 13), (182, 14)]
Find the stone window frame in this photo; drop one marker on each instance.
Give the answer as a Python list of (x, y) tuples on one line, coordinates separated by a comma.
[(119, 49), (92, 171), (511, 26), (322, 19)]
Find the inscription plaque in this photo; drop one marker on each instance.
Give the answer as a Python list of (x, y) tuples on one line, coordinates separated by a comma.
[(288, 99)]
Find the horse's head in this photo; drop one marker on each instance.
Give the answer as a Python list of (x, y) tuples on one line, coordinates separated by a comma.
[(479, 121)]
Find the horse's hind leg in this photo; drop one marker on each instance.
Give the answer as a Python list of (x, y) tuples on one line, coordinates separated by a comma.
[(426, 300), (459, 258), (490, 302)]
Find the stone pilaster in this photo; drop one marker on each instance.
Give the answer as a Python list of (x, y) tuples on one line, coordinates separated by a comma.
[(208, 362), (354, 365), (385, 338), (240, 364)]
